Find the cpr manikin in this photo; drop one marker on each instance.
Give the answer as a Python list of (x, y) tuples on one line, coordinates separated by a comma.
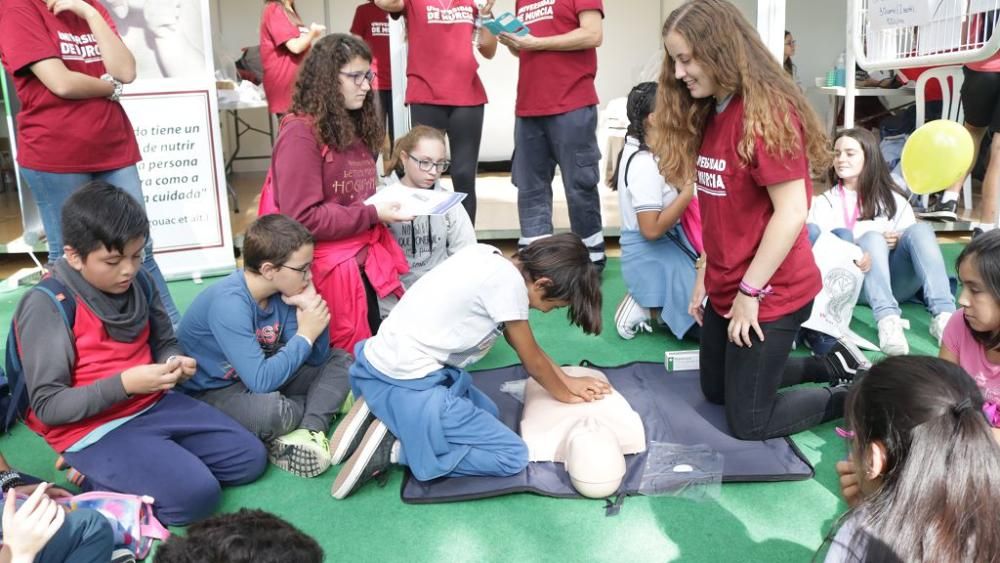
[(591, 439)]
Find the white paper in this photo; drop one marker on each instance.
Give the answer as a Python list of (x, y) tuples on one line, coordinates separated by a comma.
[(842, 279), (416, 201), (898, 13)]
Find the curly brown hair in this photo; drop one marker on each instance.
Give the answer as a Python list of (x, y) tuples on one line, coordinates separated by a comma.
[(318, 95), (730, 50)]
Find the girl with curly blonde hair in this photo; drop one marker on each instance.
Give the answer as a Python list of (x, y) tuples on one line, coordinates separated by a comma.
[(730, 120), (323, 170)]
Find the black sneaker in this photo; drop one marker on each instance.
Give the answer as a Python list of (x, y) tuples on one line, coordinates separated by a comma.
[(370, 461), (943, 211), (846, 362), (976, 232), (348, 434)]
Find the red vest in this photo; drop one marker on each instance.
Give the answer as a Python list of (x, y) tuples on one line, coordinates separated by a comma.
[(97, 356)]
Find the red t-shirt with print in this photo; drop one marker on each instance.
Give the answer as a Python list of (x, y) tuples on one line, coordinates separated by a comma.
[(441, 68), (371, 23), (735, 209), (280, 65), (555, 82), (56, 134)]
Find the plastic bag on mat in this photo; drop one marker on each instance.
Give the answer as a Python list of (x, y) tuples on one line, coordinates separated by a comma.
[(691, 472)]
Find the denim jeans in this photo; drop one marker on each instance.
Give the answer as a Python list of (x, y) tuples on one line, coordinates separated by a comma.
[(51, 190), (899, 274)]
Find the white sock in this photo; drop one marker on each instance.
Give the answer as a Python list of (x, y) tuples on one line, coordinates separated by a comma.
[(394, 453), (949, 196)]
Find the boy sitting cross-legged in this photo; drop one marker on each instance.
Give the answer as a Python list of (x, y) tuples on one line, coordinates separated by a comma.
[(263, 348), (100, 391)]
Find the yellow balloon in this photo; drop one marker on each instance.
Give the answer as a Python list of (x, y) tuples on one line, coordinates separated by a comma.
[(936, 156)]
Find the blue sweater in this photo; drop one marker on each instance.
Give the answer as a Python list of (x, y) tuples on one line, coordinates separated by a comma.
[(232, 339)]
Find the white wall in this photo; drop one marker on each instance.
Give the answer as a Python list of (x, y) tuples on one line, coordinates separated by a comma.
[(819, 29)]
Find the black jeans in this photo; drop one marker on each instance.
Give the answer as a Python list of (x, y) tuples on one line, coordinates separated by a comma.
[(747, 380), (385, 104), (464, 126)]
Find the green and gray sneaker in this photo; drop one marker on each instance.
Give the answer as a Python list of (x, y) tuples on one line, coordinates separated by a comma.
[(305, 453)]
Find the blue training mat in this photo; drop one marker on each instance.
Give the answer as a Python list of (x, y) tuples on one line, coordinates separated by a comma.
[(672, 409)]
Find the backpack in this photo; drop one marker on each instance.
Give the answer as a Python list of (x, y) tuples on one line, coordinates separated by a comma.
[(131, 517), (13, 389)]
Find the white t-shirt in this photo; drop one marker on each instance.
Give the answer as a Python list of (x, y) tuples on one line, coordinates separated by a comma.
[(828, 212), (451, 316), (646, 190)]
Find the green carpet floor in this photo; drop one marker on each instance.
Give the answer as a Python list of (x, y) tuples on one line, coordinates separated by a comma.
[(750, 522)]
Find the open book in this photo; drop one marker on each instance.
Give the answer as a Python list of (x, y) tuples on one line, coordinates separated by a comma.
[(416, 201)]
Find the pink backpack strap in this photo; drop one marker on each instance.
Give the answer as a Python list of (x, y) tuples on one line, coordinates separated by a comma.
[(149, 526)]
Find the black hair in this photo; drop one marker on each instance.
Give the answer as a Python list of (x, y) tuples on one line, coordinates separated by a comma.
[(247, 536), (788, 65), (641, 102), (984, 251), (100, 214), (272, 238), (565, 261), (939, 488)]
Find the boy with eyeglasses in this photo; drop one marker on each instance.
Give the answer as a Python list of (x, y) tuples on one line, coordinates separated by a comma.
[(261, 340)]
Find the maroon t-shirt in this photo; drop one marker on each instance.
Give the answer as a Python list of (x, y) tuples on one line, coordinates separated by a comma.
[(371, 23), (441, 68), (280, 64), (55, 134), (555, 82), (319, 187), (735, 209)]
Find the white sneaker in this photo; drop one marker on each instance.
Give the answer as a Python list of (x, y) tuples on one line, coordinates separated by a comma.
[(937, 326), (630, 318), (891, 338)]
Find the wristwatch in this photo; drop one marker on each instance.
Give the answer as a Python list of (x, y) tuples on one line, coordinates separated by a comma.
[(9, 480), (117, 84)]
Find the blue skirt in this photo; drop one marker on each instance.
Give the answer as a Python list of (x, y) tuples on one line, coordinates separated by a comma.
[(659, 274)]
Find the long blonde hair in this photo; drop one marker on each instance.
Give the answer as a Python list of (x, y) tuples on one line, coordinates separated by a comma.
[(729, 49)]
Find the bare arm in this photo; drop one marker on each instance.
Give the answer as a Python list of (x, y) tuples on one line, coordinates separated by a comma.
[(946, 354), (654, 224), (540, 366), (487, 43), (393, 6), (589, 35), (302, 43), (70, 84)]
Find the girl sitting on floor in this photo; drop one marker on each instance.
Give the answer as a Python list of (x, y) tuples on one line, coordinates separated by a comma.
[(972, 338), (412, 374), (926, 481), (418, 161), (661, 231), (902, 256)]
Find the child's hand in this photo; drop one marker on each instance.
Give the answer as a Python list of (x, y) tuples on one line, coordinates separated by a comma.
[(742, 318), (850, 488), (143, 380), (181, 367), (29, 528), (865, 263), (389, 212), (307, 295), (317, 29), (584, 389), (313, 316), (891, 238)]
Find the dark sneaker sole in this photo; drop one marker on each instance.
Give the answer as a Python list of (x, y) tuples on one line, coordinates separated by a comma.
[(348, 434), (940, 216), (350, 476), (296, 459)]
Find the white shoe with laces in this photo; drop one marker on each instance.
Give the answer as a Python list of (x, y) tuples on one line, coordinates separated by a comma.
[(630, 318), (891, 338), (937, 325)]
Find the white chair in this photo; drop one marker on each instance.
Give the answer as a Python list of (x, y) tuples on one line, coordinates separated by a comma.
[(950, 78)]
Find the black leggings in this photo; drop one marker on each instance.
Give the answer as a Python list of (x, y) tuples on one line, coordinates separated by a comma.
[(385, 101), (747, 380), (464, 126)]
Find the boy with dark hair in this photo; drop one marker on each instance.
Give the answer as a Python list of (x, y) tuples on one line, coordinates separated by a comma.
[(247, 536), (411, 375), (99, 393), (262, 343)]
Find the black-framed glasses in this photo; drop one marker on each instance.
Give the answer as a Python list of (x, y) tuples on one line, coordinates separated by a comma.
[(359, 77), (305, 269), (427, 165)]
